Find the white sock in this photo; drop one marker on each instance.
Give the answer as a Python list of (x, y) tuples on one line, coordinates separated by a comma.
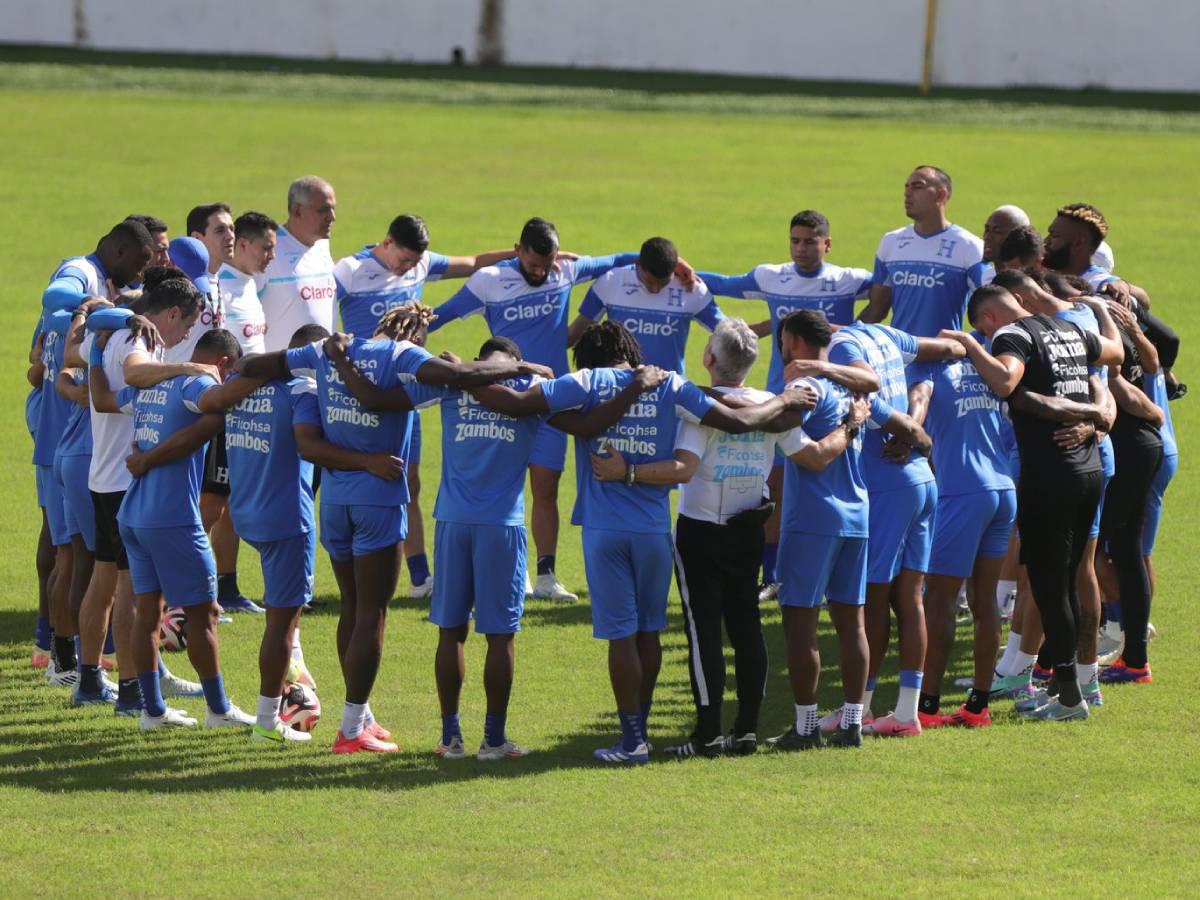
[(1112, 630), (1003, 589), (906, 704), (1009, 660), (352, 719), (1024, 661), (866, 704), (368, 716), (851, 714), (297, 652), (806, 718), (1086, 672), (268, 712)]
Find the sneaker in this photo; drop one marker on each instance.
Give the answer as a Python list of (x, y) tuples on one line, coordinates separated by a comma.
[(421, 591), (173, 717), (507, 750), (768, 592), (833, 721), (231, 718), (39, 658), (548, 587), (298, 673), (616, 754), (453, 750), (964, 717), (242, 605), (1009, 685), (890, 726), (794, 740), (1121, 673), (88, 698), (57, 677), (689, 748), (1091, 693), (174, 686), (850, 736), (377, 731), (280, 735), (1107, 659), (1056, 712), (741, 744), (1035, 701), (107, 682), (364, 743), (224, 618), (930, 720), (1040, 674)]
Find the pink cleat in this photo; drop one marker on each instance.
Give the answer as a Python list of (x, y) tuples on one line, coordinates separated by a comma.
[(890, 726), (833, 721)]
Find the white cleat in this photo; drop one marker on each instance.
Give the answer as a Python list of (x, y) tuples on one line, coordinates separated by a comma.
[(231, 718), (57, 677), (280, 735), (768, 592), (528, 586), (171, 718), (548, 587), (107, 683), (421, 592), (173, 686)]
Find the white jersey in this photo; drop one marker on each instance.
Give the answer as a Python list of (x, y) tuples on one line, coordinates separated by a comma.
[(241, 308), (297, 289), (112, 433), (1104, 258), (210, 317)]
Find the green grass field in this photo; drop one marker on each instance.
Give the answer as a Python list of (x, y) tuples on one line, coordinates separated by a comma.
[(90, 804)]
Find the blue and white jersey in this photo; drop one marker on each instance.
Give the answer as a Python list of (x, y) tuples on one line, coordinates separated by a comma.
[(270, 486), (1157, 385), (484, 456), (534, 316), (77, 435), (661, 322), (888, 351), (646, 433), (1081, 315), (167, 495), (930, 276), (345, 423), (967, 424), (1097, 277), (832, 290), (54, 409), (366, 288), (831, 502)]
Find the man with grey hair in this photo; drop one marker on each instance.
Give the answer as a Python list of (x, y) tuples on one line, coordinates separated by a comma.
[(298, 288)]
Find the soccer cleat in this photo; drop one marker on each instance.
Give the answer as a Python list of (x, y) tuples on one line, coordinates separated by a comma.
[(1056, 712), (231, 718), (793, 740), (930, 720), (39, 658), (1032, 703), (128, 710), (507, 750), (741, 744), (1108, 644), (172, 717), (1040, 674), (377, 731), (281, 735), (890, 726), (421, 591), (833, 721), (1091, 693), (173, 686), (298, 673), (364, 743), (1008, 685), (242, 604), (1107, 659), (548, 587), (1121, 673), (1151, 632), (57, 677), (964, 717), (689, 748), (768, 592), (452, 750), (616, 754), (850, 736), (88, 698)]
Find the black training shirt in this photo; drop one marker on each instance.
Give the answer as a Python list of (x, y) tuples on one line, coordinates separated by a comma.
[(1132, 432)]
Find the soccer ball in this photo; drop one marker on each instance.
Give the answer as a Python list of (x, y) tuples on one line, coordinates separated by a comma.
[(299, 708), (172, 634)]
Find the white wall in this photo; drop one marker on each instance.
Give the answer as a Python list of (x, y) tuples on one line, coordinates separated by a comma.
[(1144, 45)]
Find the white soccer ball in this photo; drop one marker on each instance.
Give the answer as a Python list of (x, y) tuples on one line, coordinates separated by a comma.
[(172, 634), (299, 708)]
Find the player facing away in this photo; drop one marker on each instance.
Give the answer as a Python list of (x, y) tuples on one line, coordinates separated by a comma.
[(623, 504), (651, 301)]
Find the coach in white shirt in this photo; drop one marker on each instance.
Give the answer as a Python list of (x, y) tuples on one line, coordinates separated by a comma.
[(298, 287)]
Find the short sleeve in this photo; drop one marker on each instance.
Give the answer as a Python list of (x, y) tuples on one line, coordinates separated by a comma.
[(863, 281), (976, 274), (195, 387), (792, 441), (305, 409), (879, 275), (692, 437), (845, 350), (438, 264), (125, 398), (711, 315), (1013, 341), (342, 272), (408, 358), (880, 411), (568, 391), (905, 343), (466, 301), (592, 306), (689, 399), (306, 359), (1091, 344), (423, 395)]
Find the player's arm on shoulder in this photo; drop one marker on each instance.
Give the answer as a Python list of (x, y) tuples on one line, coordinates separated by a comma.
[(857, 376), (182, 443), (221, 397), (939, 349), (142, 370), (1110, 350), (780, 413), (465, 375), (312, 446), (603, 416), (729, 285), (69, 389), (1003, 371), (507, 401), (465, 266), (361, 388), (816, 456), (265, 365)]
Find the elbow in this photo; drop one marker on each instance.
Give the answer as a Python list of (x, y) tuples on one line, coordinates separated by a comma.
[(870, 384)]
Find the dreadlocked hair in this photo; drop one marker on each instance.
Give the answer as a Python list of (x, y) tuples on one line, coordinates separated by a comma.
[(606, 344), (404, 323), (1089, 216)]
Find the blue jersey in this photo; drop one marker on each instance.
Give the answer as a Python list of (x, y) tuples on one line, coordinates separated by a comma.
[(1081, 314), (929, 276), (967, 424), (832, 502), (888, 351), (832, 290), (1157, 389), (345, 423), (646, 433), (484, 456), (534, 316), (167, 495), (77, 436), (366, 288), (661, 322), (54, 409), (1097, 277), (270, 486)]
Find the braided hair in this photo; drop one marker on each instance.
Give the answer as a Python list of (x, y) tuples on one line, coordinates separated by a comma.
[(1089, 216), (606, 344), (405, 323)]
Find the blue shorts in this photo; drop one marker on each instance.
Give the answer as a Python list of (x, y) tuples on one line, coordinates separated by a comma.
[(414, 442), (629, 579), (176, 560), (1094, 531), (813, 567), (72, 472), (549, 448), (50, 498), (287, 567), (971, 525), (901, 526), (348, 531), (1154, 503), (480, 567)]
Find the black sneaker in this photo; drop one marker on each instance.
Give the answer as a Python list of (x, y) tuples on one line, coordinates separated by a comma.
[(794, 740), (741, 744), (693, 747), (851, 736)]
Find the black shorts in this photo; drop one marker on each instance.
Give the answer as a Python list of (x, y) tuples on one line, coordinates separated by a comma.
[(216, 467), (109, 546)]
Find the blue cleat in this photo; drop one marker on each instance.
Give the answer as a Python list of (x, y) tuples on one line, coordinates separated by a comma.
[(619, 756), (89, 698), (242, 605)]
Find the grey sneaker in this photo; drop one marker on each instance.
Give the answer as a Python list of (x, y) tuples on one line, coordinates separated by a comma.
[(507, 750), (1056, 712)]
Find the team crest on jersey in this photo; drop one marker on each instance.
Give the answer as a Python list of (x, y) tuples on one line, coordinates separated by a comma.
[(675, 296), (947, 248), (828, 285)]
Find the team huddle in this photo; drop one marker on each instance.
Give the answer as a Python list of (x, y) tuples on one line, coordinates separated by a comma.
[(1006, 440)]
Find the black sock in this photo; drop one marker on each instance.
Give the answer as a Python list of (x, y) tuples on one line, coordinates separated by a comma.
[(129, 692), (64, 652), (546, 564), (227, 588), (1068, 684), (977, 701), (54, 650), (930, 704), (89, 678)]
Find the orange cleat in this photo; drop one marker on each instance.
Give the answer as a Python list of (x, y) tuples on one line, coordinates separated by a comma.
[(364, 743), (39, 658), (930, 720), (378, 731), (963, 716)]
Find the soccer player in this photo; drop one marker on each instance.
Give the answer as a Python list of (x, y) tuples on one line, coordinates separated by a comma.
[(362, 515), (623, 504), (298, 287), (253, 250), (1022, 249), (650, 300), (807, 282), (1059, 488), (158, 233), (924, 271), (996, 229)]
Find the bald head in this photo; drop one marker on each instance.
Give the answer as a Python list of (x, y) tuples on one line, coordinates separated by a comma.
[(1002, 220), (312, 209)]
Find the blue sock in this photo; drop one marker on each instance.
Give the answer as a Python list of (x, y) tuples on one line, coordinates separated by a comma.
[(911, 678), (41, 634), (109, 647), (872, 680), (152, 700), (418, 569), (1112, 613), (770, 555), (493, 730), (214, 694), (645, 718), (163, 671), (450, 729), (631, 730), (78, 653)]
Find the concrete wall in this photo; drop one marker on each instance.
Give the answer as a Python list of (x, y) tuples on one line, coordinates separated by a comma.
[(1147, 45)]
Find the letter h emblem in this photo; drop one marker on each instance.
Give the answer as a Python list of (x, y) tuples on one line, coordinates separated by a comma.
[(947, 248)]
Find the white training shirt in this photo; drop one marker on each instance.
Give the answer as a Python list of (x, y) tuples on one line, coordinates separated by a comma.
[(112, 433), (241, 308), (211, 316), (297, 289)]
